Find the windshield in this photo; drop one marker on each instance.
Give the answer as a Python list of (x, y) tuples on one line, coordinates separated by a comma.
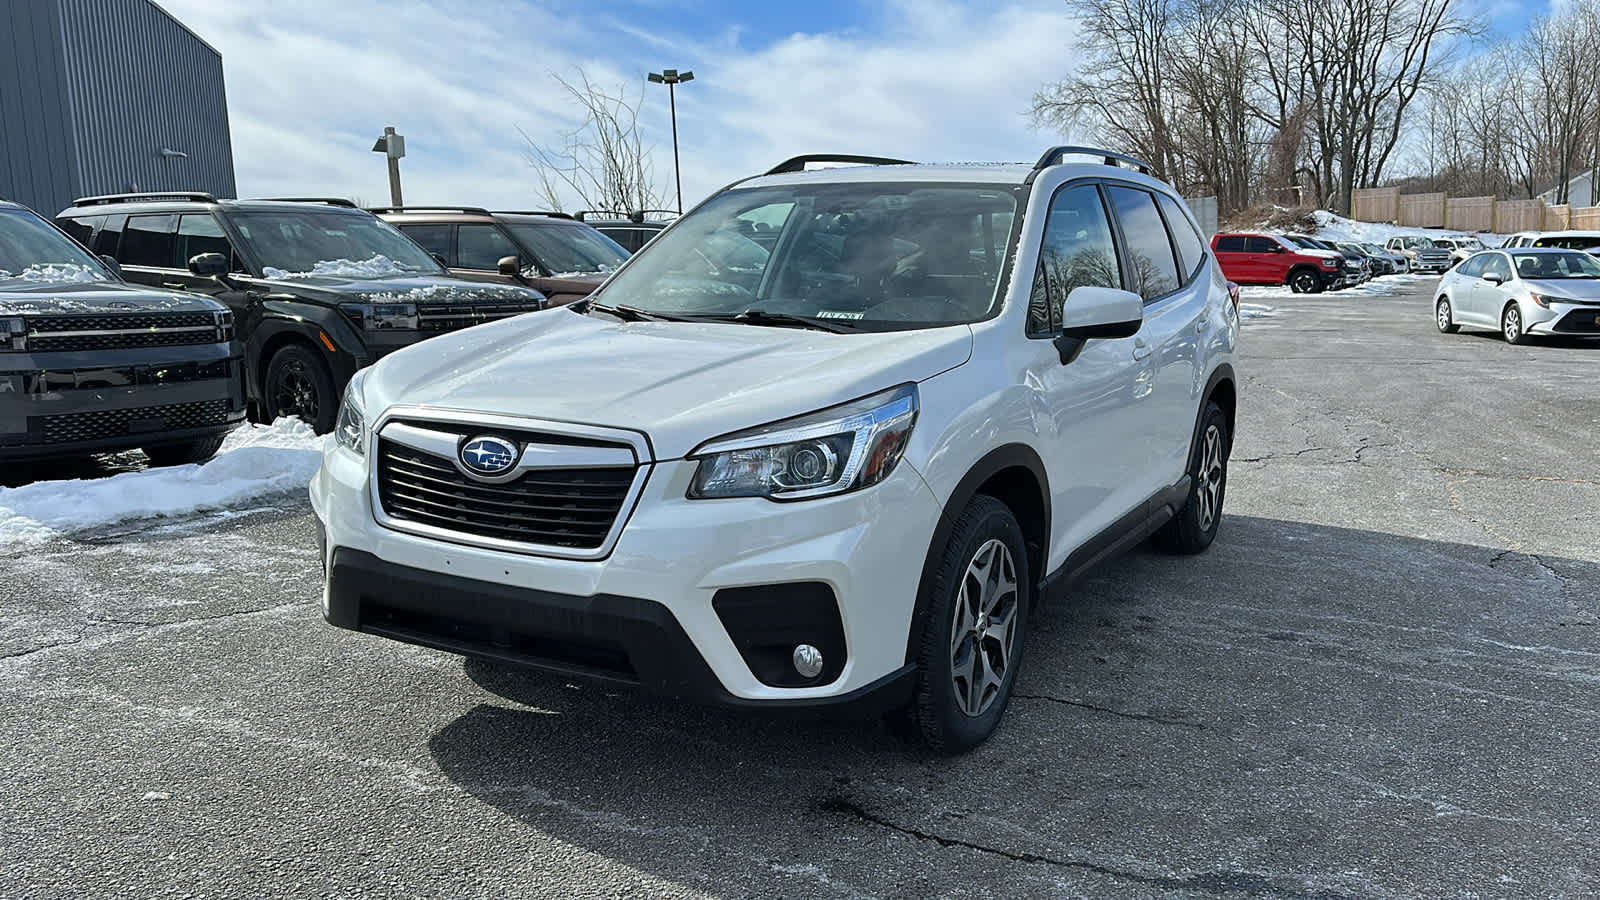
[(871, 256), (307, 242), (569, 249), (1420, 243), (1570, 242), (32, 252), (1552, 266)]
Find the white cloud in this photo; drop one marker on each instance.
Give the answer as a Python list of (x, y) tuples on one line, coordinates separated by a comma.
[(312, 84)]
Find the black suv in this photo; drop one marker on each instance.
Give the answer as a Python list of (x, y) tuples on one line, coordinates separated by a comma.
[(318, 287), (90, 364), (631, 230)]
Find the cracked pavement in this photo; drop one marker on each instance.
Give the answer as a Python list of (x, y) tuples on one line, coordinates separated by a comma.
[(1380, 682)]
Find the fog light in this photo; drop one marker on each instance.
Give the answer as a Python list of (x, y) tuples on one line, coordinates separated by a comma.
[(807, 660)]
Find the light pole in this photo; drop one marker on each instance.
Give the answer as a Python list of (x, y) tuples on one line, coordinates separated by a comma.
[(392, 146), (672, 78)]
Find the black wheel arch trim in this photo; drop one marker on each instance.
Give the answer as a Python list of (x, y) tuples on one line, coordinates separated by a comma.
[(301, 323), (1008, 456)]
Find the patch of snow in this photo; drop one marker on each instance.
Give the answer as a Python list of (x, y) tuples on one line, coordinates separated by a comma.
[(255, 461), (1382, 286), (449, 293), (1337, 228), (1256, 311), (55, 273), (375, 267)]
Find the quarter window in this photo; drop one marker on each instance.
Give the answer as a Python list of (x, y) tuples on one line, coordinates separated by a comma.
[(1149, 245), (148, 241), (1077, 250), (482, 246), (109, 236), (1191, 246)]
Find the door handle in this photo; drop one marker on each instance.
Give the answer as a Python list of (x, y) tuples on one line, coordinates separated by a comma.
[(176, 287), (1141, 350)]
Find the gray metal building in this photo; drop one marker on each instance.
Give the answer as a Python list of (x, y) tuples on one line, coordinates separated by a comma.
[(104, 97)]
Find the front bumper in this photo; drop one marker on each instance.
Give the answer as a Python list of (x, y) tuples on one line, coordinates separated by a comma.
[(648, 613), (1561, 318), (94, 401), (1431, 265)]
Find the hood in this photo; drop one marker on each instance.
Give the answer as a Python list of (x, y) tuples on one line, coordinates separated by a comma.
[(1581, 289), (404, 289), (1318, 253), (681, 383), (89, 297)]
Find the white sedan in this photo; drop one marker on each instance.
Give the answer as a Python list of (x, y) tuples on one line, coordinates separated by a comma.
[(1521, 292)]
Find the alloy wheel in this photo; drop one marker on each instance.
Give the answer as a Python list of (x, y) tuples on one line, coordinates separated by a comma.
[(294, 393), (984, 629), (1444, 315), (1513, 323), (1211, 475)]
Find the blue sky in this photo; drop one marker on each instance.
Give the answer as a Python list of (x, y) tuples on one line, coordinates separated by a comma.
[(311, 84)]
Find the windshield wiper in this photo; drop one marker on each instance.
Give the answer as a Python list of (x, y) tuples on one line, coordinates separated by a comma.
[(635, 314), (788, 320)]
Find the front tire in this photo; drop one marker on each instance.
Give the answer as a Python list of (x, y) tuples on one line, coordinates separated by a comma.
[(183, 454), (299, 384), (977, 625), (1305, 281), (1511, 325), (1444, 317), (1195, 526)]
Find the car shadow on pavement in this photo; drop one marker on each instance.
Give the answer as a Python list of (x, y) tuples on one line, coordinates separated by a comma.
[(1265, 718), (72, 468)]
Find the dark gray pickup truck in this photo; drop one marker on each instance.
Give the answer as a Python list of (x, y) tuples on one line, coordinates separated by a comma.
[(91, 364)]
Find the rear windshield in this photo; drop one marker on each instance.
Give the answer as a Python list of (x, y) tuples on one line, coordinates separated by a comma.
[(569, 249), (296, 242), (32, 252), (876, 256)]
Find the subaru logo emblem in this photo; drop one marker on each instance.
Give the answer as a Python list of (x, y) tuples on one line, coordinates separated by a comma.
[(488, 456)]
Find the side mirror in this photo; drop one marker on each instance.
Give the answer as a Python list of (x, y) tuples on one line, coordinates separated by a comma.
[(1097, 313), (112, 264), (208, 265), (509, 265), (1493, 278)]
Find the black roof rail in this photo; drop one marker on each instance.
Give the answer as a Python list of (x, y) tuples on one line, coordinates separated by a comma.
[(475, 210), (583, 215), (1054, 156), (531, 212), (104, 199), (331, 201), (798, 163)]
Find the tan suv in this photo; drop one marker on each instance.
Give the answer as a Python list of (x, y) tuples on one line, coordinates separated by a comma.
[(553, 252)]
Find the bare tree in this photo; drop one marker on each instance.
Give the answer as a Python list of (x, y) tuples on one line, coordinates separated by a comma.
[(603, 162)]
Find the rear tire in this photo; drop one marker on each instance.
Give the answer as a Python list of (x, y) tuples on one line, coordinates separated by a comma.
[(183, 454), (976, 629), (299, 384), (1511, 325), (1195, 526), (1305, 281), (1444, 317)]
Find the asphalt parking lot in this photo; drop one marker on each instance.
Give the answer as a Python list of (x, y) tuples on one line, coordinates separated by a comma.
[(1381, 681)]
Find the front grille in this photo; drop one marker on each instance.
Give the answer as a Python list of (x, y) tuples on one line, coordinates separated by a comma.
[(1579, 321), (571, 508), (124, 330), (112, 423), (438, 318)]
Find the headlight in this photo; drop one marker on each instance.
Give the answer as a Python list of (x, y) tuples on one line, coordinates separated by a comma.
[(1545, 300), (350, 429), (1331, 263), (13, 333), (382, 316), (829, 452)]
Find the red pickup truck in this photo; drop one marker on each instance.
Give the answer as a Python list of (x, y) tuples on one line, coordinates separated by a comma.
[(1268, 259)]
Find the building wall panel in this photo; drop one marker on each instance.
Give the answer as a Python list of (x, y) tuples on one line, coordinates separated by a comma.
[(37, 158)]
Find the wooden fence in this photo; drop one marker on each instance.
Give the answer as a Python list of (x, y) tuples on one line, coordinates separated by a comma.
[(1469, 214)]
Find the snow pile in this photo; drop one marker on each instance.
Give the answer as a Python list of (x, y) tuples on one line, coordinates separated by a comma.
[(450, 293), (55, 273), (255, 461), (1337, 228), (1383, 286), (376, 267)]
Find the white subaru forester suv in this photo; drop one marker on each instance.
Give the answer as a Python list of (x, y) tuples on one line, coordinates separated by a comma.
[(825, 441)]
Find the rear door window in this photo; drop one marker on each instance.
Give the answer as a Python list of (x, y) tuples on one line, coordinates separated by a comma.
[(1473, 266), (109, 236), (1230, 244), (149, 241), (1149, 247)]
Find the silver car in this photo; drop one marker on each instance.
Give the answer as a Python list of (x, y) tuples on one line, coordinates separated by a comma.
[(1522, 292), (1421, 253)]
